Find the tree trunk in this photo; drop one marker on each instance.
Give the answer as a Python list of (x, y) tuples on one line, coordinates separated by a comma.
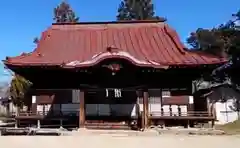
[(8, 109), (238, 108)]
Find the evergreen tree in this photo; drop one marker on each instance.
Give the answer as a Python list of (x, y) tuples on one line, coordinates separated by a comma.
[(137, 10), (223, 40), (63, 13)]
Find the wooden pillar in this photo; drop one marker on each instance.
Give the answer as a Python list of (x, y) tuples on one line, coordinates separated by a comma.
[(142, 120), (161, 103), (211, 112), (82, 110), (209, 107), (213, 106), (145, 108), (214, 110)]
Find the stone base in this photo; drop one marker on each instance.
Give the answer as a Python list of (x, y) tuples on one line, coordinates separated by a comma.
[(82, 129)]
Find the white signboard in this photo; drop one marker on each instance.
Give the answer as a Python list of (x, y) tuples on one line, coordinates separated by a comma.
[(34, 98), (117, 93)]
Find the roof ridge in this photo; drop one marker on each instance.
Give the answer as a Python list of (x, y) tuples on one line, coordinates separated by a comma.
[(113, 22)]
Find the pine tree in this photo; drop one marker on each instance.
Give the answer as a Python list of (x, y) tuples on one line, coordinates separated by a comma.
[(36, 40), (63, 13), (137, 10), (18, 89)]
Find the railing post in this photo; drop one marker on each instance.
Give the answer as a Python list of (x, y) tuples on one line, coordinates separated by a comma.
[(162, 111), (16, 124), (61, 127), (38, 124)]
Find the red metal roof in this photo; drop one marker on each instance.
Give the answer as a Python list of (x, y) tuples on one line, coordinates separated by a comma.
[(144, 43)]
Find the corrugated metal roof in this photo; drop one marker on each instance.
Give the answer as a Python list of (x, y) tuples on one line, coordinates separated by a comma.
[(144, 43)]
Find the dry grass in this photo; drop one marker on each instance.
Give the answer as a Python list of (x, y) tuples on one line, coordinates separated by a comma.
[(230, 128)]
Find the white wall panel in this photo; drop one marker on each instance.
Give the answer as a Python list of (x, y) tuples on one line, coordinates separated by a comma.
[(43, 109), (174, 110), (224, 112), (166, 109), (40, 109), (183, 110), (154, 104)]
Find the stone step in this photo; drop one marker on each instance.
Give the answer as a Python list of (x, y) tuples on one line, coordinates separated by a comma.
[(107, 126)]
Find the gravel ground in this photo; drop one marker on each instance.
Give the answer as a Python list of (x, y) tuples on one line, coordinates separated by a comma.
[(120, 141)]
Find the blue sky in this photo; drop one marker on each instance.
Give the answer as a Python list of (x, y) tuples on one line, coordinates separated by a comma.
[(23, 20)]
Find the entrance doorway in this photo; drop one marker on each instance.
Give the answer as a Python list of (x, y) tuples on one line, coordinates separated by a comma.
[(110, 105)]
